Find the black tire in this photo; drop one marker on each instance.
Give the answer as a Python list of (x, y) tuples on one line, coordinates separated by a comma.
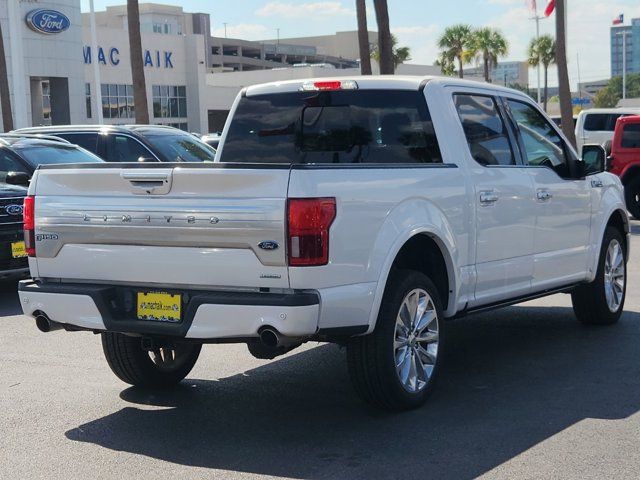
[(372, 358), (133, 364), (632, 197), (590, 300)]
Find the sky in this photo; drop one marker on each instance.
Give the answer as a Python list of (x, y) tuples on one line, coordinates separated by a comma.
[(419, 23)]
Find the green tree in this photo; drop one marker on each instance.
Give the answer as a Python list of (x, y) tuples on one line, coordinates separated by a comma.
[(384, 37), (487, 45), (542, 51), (454, 43), (363, 38), (609, 96), (5, 99), (399, 54), (137, 66), (446, 64), (566, 109)]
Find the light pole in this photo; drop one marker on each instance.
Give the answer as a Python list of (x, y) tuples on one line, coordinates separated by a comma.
[(537, 19), (225, 29), (624, 34)]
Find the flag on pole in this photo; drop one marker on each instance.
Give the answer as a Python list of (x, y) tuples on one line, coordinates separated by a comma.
[(532, 5), (619, 20), (550, 8)]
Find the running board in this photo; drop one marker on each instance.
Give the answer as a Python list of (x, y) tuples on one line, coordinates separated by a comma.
[(514, 301)]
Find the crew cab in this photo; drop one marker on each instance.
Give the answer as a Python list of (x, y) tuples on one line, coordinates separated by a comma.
[(624, 160), (366, 212), (131, 143)]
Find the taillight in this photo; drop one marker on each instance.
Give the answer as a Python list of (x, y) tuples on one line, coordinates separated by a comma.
[(308, 230), (29, 219)]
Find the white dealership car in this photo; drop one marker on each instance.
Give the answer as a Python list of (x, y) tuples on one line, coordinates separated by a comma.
[(366, 212)]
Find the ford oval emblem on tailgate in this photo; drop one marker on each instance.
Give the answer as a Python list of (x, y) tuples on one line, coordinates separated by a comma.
[(268, 245)]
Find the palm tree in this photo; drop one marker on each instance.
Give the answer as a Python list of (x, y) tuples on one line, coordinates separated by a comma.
[(455, 41), (5, 99), (446, 64), (542, 51), (399, 54), (363, 38), (488, 45), (137, 65), (385, 45), (566, 110)]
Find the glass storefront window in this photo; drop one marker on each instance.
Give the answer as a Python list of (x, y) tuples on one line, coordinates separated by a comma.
[(117, 101), (169, 101)]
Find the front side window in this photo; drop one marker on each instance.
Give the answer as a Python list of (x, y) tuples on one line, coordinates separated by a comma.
[(542, 144), (485, 130), (333, 127), (631, 136), (88, 141), (121, 148)]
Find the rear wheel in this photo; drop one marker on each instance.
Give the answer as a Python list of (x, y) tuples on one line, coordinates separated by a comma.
[(158, 368), (395, 367), (632, 194), (601, 302)]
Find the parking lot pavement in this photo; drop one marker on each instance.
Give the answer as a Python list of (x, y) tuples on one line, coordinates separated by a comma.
[(526, 392)]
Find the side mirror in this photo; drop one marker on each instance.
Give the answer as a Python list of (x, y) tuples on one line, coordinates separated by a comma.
[(593, 158), (17, 178)]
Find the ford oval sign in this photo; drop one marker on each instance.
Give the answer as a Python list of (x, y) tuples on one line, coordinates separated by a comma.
[(48, 21), (13, 209)]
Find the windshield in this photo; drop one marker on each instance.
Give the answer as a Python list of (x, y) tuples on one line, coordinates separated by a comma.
[(56, 154), (181, 148), (366, 126)]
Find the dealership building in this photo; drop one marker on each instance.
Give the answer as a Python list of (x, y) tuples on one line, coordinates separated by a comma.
[(58, 74)]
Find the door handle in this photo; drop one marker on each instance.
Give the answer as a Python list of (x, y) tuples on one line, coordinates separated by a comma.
[(488, 197), (597, 183), (544, 195)]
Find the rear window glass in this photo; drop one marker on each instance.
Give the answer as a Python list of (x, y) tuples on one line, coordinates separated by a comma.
[(49, 155), (177, 147), (601, 122), (631, 136), (88, 141), (366, 126)]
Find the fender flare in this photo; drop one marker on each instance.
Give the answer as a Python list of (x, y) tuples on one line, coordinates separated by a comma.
[(600, 237), (448, 251)]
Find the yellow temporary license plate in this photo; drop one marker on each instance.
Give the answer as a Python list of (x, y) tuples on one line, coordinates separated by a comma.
[(18, 250), (159, 306)]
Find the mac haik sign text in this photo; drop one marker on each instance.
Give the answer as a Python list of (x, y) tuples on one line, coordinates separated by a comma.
[(111, 56)]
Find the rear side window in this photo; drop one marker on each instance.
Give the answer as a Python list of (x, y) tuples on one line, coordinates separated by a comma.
[(88, 141), (485, 130), (601, 122), (363, 126), (631, 136)]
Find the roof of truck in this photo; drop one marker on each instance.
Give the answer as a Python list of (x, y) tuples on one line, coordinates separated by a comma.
[(391, 82)]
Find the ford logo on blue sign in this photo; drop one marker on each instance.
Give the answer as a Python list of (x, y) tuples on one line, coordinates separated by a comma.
[(48, 21)]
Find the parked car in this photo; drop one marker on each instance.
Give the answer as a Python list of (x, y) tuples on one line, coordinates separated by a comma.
[(624, 160), (363, 212), (21, 155), (13, 256), (596, 125), (132, 143), (212, 139)]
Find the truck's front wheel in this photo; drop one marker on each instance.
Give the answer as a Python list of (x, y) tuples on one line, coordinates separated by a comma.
[(632, 197), (160, 367), (395, 367)]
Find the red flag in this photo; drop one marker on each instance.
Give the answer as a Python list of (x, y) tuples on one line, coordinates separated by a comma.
[(550, 8)]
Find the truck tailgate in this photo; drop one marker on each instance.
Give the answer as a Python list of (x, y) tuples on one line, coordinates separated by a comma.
[(191, 225)]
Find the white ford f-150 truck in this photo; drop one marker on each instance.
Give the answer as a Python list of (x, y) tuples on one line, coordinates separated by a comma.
[(365, 212)]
